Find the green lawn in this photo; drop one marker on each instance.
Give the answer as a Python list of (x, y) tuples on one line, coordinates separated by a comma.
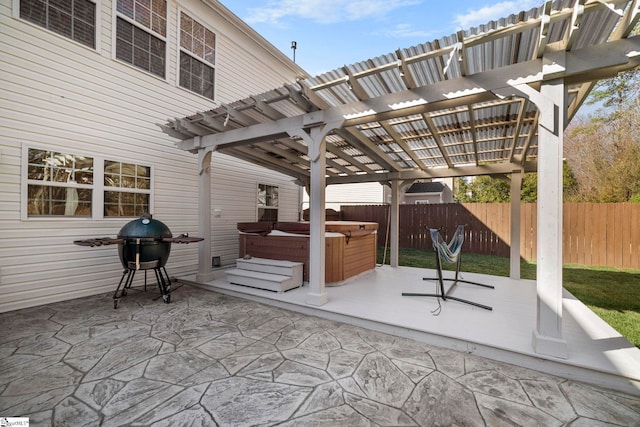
[(612, 294)]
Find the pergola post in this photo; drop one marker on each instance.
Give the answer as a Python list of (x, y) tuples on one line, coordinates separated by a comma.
[(547, 336), (204, 274), (314, 137), (514, 255), (394, 219), (317, 293)]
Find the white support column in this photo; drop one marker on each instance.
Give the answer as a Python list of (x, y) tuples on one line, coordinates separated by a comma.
[(205, 274), (315, 140), (394, 219), (317, 293), (514, 256), (547, 336)]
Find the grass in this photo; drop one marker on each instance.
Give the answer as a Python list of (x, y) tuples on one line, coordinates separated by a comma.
[(612, 294)]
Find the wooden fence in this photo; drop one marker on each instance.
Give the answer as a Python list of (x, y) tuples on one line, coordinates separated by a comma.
[(603, 234)]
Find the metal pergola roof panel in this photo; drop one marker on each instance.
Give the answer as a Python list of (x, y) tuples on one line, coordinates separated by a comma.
[(435, 109)]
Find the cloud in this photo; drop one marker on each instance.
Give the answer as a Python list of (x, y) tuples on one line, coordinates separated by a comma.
[(324, 11), (485, 14), (407, 31)]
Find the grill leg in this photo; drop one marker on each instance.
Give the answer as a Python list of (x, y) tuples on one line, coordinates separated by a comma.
[(164, 283), (127, 284)]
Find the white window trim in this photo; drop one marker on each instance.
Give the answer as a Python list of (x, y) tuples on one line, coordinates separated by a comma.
[(204, 61), (259, 206), (98, 33), (98, 188), (104, 188), (114, 40)]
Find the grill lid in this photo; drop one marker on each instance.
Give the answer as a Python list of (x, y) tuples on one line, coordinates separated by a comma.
[(146, 228)]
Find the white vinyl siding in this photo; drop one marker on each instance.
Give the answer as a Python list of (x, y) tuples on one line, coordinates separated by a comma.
[(236, 203), (83, 101), (351, 194)]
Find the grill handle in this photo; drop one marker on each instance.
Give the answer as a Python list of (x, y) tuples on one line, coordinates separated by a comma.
[(137, 254), (182, 239)]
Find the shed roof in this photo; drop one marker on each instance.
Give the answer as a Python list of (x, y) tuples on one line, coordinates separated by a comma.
[(425, 187), (460, 105)]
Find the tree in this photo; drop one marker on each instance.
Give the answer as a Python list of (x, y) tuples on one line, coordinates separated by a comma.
[(604, 150), (529, 192), (482, 189), (487, 189), (616, 91)]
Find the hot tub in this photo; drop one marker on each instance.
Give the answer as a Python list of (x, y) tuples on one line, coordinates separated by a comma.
[(350, 245)]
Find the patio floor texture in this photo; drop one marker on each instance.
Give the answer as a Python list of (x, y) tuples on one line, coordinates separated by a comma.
[(213, 359)]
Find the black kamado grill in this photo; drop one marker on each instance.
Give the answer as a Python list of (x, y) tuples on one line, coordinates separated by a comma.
[(143, 244)]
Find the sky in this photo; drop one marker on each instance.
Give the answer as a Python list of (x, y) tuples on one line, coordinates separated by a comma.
[(333, 33)]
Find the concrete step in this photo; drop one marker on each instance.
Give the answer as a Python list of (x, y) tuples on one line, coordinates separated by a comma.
[(273, 266), (261, 280)]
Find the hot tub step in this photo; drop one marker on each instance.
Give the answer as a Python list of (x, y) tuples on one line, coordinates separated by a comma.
[(257, 279), (273, 266)]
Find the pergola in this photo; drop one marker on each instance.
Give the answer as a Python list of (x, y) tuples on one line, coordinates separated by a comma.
[(493, 100)]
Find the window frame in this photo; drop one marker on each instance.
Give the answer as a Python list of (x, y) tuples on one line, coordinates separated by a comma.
[(266, 206), (165, 39), (98, 187), (96, 25), (125, 190), (193, 56)]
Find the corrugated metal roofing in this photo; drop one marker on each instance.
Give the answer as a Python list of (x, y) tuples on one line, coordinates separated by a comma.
[(446, 136)]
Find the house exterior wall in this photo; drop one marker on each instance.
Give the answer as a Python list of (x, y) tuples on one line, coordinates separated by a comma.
[(366, 193), (374, 193), (422, 198), (59, 95)]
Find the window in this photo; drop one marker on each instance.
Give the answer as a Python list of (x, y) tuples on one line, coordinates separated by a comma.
[(69, 185), (59, 184), (75, 19), (197, 57), (127, 189), (141, 28), (267, 203)]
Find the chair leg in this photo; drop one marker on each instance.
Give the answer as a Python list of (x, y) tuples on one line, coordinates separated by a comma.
[(440, 286), (445, 295), (486, 307), (466, 281)]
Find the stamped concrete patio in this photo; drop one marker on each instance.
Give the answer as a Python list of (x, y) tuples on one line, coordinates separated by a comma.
[(212, 359)]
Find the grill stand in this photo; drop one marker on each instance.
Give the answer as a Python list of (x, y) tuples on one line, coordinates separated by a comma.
[(162, 279)]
